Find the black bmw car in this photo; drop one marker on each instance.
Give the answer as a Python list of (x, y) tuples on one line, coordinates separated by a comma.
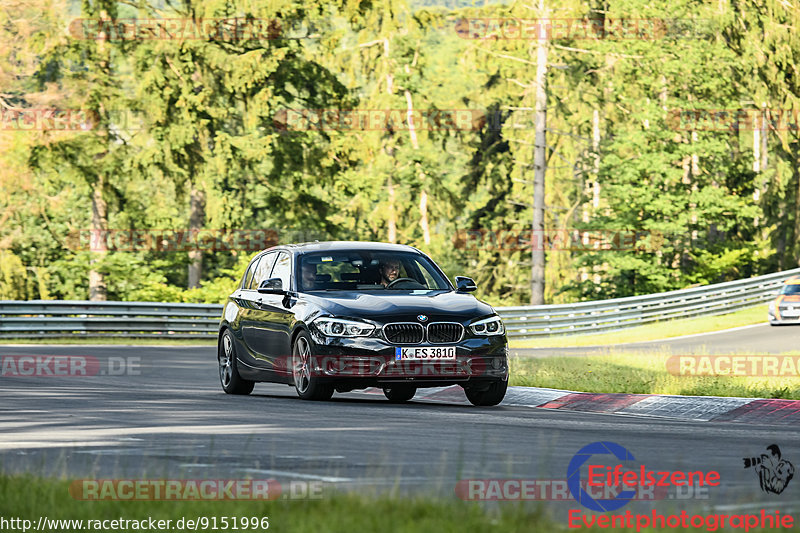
[(329, 317)]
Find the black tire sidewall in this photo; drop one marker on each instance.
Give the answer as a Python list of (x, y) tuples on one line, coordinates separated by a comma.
[(400, 393), (238, 385), (316, 390), (487, 397)]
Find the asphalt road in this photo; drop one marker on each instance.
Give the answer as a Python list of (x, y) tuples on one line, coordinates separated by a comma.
[(757, 339), (165, 416)]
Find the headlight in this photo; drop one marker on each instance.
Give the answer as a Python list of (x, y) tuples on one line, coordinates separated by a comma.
[(488, 326), (339, 327)]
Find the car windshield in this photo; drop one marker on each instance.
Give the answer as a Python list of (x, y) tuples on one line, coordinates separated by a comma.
[(362, 270), (791, 289)]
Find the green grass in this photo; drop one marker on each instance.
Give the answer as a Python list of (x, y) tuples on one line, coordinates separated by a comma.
[(641, 373), (651, 332), (29, 498)]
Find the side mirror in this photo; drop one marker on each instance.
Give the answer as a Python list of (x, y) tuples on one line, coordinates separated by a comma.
[(271, 286), (465, 284)]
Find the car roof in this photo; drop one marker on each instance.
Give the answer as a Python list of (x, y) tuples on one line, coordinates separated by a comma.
[(320, 246), (793, 281)]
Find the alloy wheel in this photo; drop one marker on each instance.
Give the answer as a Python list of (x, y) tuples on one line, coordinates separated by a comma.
[(301, 368), (225, 361)]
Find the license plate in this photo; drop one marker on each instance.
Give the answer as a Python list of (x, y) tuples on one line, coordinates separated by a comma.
[(791, 312), (426, 353)]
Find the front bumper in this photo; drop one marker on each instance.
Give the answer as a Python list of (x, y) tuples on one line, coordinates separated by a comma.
[(785, 315), (361, 362), (784, 321)]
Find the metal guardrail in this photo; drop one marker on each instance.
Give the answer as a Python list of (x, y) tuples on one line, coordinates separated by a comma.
[(78, 318), (85, 319), (603, 316)]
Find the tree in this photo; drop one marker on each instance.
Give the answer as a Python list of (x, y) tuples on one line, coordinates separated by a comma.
[(215, 107), (763, 36), (86, 70), (539, 168)]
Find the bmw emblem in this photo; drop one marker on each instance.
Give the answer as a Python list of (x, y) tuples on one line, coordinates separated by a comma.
[(422, 318)]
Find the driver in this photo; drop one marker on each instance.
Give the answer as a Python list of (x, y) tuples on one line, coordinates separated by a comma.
[(389, 271), (309, 271)]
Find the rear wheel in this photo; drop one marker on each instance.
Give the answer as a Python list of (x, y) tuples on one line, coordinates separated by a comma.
[(400, 393), (229, 378), (307, 385), (487, 396)]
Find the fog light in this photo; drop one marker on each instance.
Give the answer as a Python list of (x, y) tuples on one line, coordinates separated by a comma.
[(497, 363)]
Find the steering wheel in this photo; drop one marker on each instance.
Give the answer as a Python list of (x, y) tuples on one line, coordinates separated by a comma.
[(398, 280)]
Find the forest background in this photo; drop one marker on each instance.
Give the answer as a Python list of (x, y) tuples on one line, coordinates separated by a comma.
[(668, 156)]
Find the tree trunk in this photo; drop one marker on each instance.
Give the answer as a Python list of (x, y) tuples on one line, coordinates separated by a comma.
[(392, 215), (756, 151), (695, 187), (197, 216), (98, 289), (412, 128), (423, 221), (782, 230), (796, 236), (759, 159), (97, 281), (423, 196), (764, 139), (392, 222), (596, 160), (389, 76), (539, 169)]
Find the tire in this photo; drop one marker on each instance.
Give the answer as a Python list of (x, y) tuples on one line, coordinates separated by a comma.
[(399, 393), (308, 387), (486, 397), (229, 378)]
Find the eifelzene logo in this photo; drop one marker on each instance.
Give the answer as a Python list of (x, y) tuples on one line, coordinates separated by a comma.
[(623, 477)]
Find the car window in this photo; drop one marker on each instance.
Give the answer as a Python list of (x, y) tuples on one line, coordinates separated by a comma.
[(361, 270), (425, 275), (283, 270), (337, 271), (248, 275), (791, 289), (263, 270)]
